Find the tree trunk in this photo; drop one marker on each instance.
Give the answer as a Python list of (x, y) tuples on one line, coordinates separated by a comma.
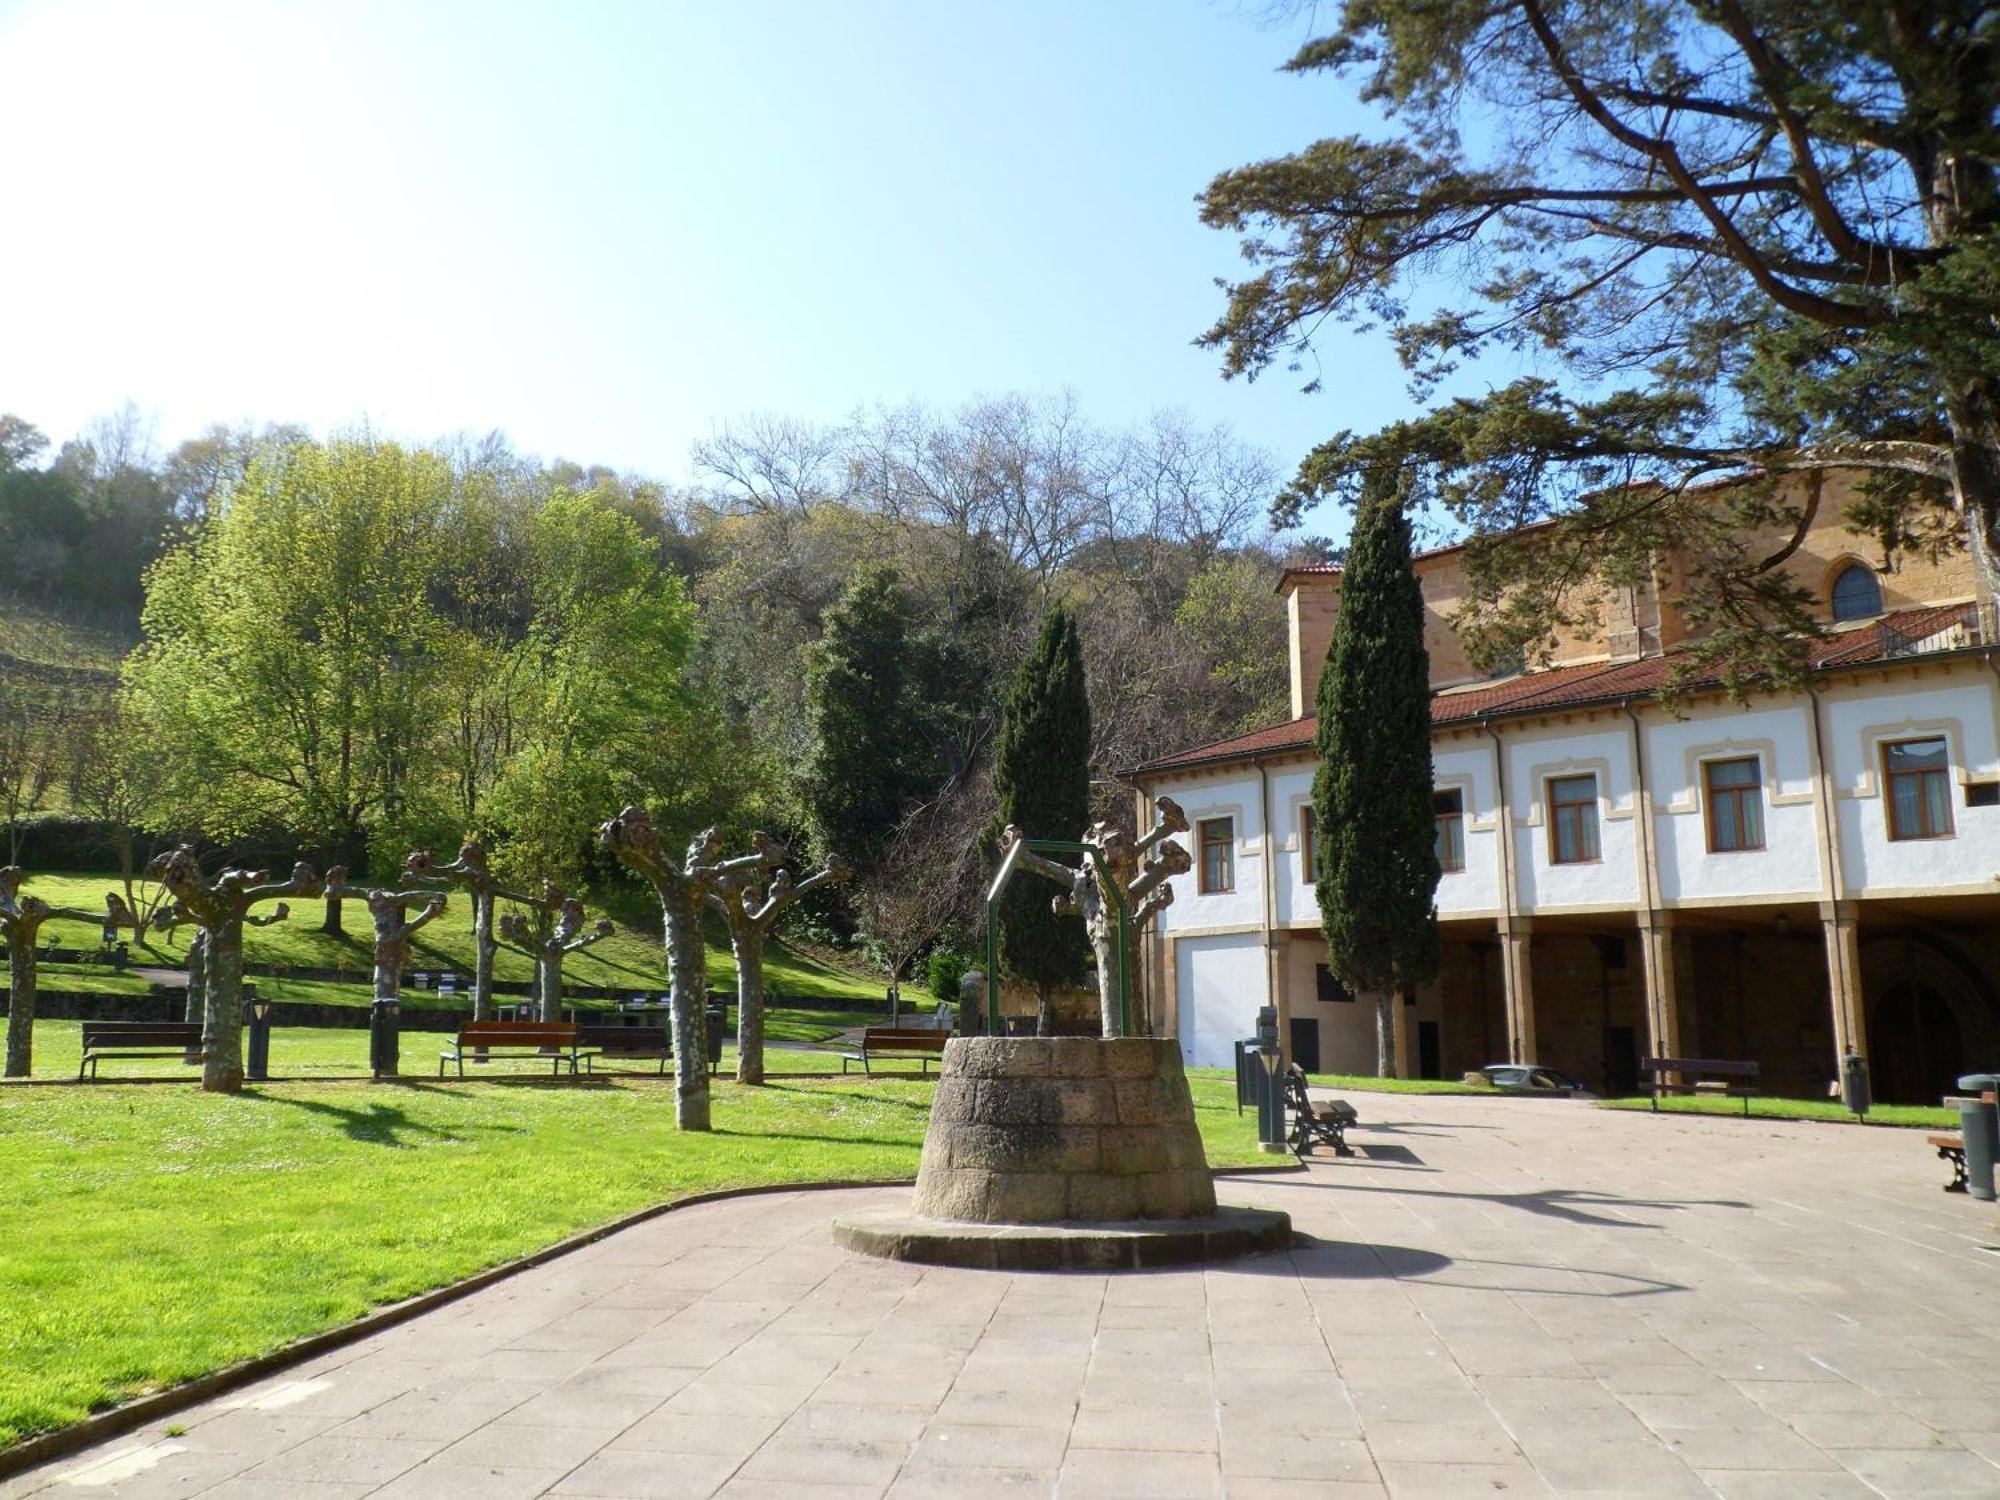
[(548, 987), (1385, 1033), (21, 1008), (748, 946), (332, 924), (1045, 1017), (687, 968), (128, 874), (484, 946), (222, 1024), (197, 975)]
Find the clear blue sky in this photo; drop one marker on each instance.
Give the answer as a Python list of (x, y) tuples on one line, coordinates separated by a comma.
[(609, 228)]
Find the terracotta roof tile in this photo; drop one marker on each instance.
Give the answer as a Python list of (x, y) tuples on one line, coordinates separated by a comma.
[(1593, 682)]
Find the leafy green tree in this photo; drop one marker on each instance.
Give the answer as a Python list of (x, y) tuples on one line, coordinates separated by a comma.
[(1376, 838), (289, 645), (1041, 781), (1231, 613), (867, 759), (1756, 237), (602, 713)]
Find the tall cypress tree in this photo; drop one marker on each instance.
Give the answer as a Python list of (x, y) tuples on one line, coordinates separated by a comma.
[(1378, 865), (865, 758), (1041, 778)]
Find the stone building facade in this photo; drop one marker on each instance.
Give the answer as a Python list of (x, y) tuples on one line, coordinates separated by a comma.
[(1774, 880)]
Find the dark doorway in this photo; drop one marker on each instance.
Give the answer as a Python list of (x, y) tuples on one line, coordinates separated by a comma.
[(1621, 1060), (1430, 1050), (1915, 1051), (1305, 1043)]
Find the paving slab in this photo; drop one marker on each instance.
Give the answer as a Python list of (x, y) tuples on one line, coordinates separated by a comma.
[(1538, 1298)]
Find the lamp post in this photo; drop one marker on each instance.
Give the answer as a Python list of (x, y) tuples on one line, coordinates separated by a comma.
[(258, 1069), (1270, 1104)]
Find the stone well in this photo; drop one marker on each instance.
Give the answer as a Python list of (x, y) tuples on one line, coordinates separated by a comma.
[(1032, 1130), (1053, 1151)]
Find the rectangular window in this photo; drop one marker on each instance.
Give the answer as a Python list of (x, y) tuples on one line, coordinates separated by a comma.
[(1218, 854), (1573, 819), (1330, 990), (1919, 777), (1308, 854), (1449, 809), (1735, 791)]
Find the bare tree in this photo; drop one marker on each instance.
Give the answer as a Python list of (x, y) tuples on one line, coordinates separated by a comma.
[(221, 906), (556, 929), (21, 919), (684, 890), (751, 913)]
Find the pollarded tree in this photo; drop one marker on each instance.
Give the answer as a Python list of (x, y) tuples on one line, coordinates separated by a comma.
[(555, 928), (221, 906), (1757, 237), (1041, 780), (21, 919), (751, 913), (684, 889), (1374, 823)]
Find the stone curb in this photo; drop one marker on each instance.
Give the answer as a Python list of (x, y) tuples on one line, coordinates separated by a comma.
[(93, 1429), (1131, 1245)]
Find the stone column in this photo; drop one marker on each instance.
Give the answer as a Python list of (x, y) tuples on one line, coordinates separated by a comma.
[(1840, 921), (1656, 957), (1517, 973)]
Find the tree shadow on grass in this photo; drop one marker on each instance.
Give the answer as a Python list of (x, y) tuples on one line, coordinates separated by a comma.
[(378, 1124)]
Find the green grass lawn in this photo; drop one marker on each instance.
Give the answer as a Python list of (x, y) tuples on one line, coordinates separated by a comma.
[(158, 1233), (324, 1051), (1908, 1115), (631, 959), (1367, 1083)]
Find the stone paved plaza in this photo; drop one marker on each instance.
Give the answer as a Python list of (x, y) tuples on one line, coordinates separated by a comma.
[(1509, 1297)]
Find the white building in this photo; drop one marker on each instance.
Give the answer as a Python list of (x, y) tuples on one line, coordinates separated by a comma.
[(1773, 880)]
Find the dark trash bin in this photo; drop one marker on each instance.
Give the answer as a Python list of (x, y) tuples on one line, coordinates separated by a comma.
[(1979, 1124)]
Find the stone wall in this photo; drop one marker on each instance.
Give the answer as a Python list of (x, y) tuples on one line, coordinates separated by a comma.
[(1037, 1130)]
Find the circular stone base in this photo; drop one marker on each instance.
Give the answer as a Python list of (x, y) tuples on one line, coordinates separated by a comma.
[(896, 1234)]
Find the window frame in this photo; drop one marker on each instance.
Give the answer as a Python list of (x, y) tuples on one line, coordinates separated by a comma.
[(1557, 809), (1714, 798), (1308, 844), (1889, 778), (1455, 843), (1833, 592), (1227, 847)]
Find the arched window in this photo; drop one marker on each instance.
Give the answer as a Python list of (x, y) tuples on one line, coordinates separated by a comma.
[(1856, 594)]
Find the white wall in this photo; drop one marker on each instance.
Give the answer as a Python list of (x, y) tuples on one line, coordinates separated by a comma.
[(1221, 982), (1962, 708), (1235, 797), (1291, 790), (1780, 736), (1611, 881), (1478, 888)]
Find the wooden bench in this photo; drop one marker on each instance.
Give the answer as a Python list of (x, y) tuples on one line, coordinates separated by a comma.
[(1700, 1068), (1313, 1123), (622, 1042), (102, 1039), (555, 1040), (1951, 1149), (1951, 1145), (882, 1043)]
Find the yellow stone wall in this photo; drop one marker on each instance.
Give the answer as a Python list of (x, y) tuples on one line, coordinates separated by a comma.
[(1629, 621)]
